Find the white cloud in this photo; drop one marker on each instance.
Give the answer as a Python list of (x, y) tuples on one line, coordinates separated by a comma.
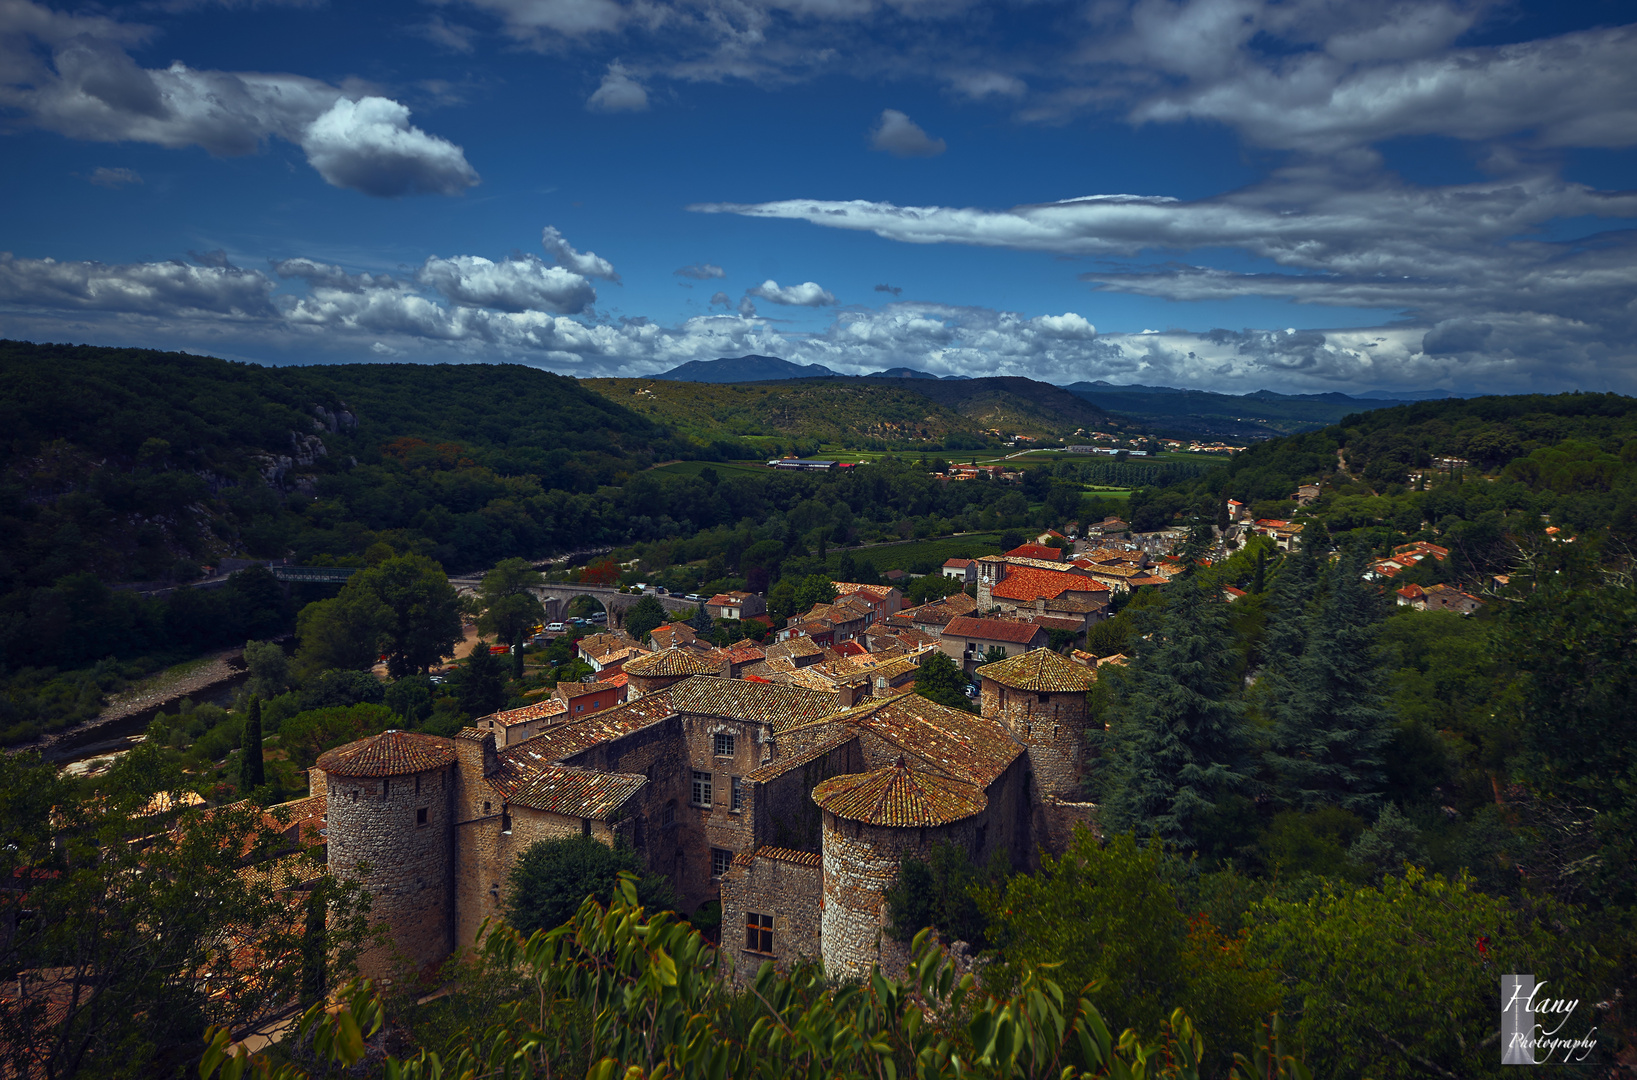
[(807, 294), (586, 264), (701, 271), (113, 178), (342, 315), (513, 285), (900, 136), (369, 145), (618, 92), (721, 298), (91, 89)]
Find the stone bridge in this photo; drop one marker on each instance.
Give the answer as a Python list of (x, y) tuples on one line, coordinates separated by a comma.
[(557, 596)]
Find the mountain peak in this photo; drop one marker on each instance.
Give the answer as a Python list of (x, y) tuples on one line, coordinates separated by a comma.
[(733, 369)]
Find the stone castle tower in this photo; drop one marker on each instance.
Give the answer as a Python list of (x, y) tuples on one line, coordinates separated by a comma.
[(390, 803)]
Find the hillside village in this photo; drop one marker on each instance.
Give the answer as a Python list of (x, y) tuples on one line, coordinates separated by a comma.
[(782, 779)]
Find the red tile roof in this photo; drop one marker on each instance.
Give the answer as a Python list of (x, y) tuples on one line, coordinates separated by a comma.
[(900, 797), (581, 793), (392, 753), (992, 630), (673, 661), (1029, 583), (1035, 551), (1042, 671)]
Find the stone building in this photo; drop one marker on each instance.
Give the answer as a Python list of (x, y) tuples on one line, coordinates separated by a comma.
[(785, 804)]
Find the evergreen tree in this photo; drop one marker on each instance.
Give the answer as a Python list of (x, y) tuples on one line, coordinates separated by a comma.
[(1293, 589), (1259, 583), (1176, 742), (252, 769), (1331, 723), (644, 617), (939, 679), (482, 687), (702, 622), (315, 946)]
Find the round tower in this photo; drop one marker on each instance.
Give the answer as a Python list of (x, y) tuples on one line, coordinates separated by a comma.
[(870, 820), (656, 671), (389, 807), (1041, 698)]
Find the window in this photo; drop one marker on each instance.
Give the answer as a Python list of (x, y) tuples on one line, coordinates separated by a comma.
[(701, 788), (585, 826), (505, 821), (485, 808), (669, 816), (721, 861), (1044, 698), (758, 932), (420, 816), (737, 791), (724, 745)]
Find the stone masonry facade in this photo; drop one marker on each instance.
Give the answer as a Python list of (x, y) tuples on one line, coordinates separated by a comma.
[(716, 783)]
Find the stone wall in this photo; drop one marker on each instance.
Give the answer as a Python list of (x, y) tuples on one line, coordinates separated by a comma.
[(403, 828), (791, 892), (780, 808), (1059, 820), (1053, 729), (860, 863)]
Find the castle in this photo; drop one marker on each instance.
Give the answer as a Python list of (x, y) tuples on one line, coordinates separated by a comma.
[(788, 806)]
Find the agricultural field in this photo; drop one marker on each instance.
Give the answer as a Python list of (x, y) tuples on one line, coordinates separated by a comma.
[(917, 555)]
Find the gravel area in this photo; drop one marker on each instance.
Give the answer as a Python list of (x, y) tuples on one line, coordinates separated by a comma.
[(153, 692)]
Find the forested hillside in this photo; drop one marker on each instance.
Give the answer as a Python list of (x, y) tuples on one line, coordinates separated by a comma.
[(867, 413), (1521, 465)]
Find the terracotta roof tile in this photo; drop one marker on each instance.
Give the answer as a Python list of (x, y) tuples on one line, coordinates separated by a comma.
[(674, 661), (573, 690), (789, 855), (899, 797), (777, 706), (540, 710), (1041, 671), (1030, 583), (1016, 633), (582, 793), (1034, 551), (392, 753)]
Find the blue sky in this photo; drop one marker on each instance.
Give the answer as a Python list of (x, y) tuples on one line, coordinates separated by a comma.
[(1231, 194)]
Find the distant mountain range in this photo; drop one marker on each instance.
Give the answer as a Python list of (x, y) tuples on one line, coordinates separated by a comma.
[(1166, 409), (741, 369)]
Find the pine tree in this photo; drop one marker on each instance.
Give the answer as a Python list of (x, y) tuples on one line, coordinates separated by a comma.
[(1176, 743), (1293, 590), (1259, 583), (702, 622), (252, 769), (482, 686), (1331, 723)]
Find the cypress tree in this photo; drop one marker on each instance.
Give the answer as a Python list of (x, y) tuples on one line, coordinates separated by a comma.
[(252, 769), (1176, 743), (1259, 583), (702, 622), (314, 947), (1331, 724)]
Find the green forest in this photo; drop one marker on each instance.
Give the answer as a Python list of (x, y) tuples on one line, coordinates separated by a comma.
[(1329, 821)]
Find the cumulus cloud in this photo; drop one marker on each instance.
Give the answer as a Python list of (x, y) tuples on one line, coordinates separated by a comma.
[(701, 271), (721, 298), (807, 294), (586, 264), (113, 178), (618, 92), (517, 284), (72, 75), (900, 136), (471, 308), (894, 289)]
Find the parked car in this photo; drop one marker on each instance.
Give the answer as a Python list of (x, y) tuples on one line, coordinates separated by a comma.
[(555, 628), (600, 616), (695, 598)]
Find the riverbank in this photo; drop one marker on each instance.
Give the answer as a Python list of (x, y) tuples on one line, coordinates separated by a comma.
[(143, 698)]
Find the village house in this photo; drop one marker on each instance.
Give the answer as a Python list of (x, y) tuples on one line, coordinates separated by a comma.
[(967, 640), (1034, 551), (675, 635), (735, 605), (608, 651), (1305, 494), (964, 571), (1438, 598)]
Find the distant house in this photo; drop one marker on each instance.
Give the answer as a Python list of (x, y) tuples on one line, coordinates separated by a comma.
[(1230, 593), (1035, 551), (1108, 527), (965, 639), (672, 635), (1305, 494), (884, 599), (962, 570), (1438, 598), (581, 698), (609, 651), (802, 464), (519, 725), (735, 605)]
